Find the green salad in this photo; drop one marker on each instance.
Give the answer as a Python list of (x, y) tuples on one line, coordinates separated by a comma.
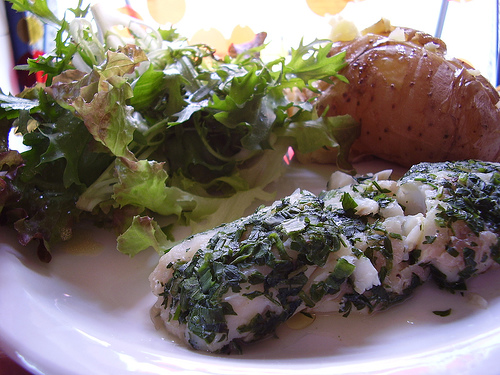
[(146, 133)]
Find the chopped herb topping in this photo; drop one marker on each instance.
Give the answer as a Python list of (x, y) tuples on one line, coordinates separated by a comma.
[(442, 312), (196, 290), (272, 256), (470, 198), (348, 203), (429, 239)]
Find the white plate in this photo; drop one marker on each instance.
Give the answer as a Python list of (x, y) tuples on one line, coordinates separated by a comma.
[(87, 312)]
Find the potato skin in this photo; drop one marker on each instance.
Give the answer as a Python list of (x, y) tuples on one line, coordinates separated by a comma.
[(413, 104)]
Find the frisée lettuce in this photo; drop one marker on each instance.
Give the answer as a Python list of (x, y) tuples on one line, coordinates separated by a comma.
[(143, 132)]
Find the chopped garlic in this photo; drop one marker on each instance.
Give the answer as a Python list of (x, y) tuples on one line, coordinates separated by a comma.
[(398, 35), (340, 179), (365, 275), (432, 47)]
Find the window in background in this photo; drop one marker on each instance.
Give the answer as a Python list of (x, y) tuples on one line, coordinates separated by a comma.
[(8, 79)]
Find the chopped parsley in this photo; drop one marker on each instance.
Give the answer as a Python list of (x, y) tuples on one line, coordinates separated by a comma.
[(197, 288), (268, 256), (442, 312), (469, 199)]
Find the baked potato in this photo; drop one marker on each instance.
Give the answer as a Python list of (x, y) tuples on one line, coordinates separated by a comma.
[(413, 103)]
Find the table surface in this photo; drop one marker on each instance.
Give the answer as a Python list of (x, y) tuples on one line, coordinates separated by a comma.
[(9, 367)]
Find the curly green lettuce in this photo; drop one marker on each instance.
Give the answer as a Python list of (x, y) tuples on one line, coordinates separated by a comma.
[(145, 137)]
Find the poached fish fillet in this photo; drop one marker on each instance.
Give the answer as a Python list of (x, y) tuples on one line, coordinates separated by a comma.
[(362, 245)]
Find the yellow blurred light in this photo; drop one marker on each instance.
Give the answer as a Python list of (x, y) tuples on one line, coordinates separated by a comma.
[(167, 11), (213, 38), (323, 7), (241, 34)]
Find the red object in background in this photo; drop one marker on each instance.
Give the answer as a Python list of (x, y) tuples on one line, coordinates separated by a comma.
[(289, 155), (40, 77)]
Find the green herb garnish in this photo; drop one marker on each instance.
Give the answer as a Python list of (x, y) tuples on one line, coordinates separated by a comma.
[(442, 312)]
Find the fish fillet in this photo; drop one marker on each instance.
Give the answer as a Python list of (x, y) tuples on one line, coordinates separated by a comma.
[(363, 245)]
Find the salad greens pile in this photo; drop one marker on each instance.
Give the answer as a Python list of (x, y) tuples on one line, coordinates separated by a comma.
[(142, 132)]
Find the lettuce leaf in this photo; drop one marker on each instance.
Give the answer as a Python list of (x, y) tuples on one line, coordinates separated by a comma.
[(143, 233), (149, 133)]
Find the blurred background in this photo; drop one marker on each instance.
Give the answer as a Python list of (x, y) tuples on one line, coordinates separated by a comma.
[(468, 27)]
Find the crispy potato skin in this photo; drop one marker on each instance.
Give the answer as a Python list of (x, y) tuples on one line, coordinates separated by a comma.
[(413, 104)]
